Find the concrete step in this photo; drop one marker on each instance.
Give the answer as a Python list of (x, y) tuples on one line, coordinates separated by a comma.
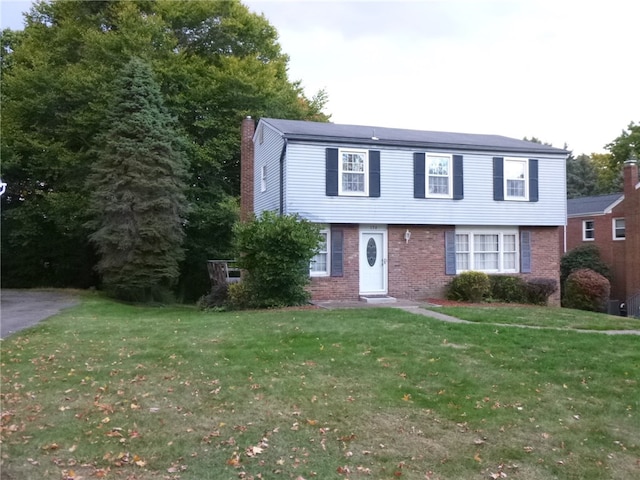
[(377, 299)]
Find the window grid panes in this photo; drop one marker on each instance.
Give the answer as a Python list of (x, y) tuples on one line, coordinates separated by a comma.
[(509, 249), (462, 251), (438, 175), (515, 175), (487, 251), (619, 228), (588, 230), (353, 172), (318, 264)]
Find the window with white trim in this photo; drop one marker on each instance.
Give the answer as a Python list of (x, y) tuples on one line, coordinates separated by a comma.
[(354, 172), (263, 179), (618, 226), (588, 230), (319, 265), (516, 179), (490, 251), (439, 175)]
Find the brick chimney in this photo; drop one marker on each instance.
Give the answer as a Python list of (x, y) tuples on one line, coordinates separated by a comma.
[(632, 227), (247, 130)]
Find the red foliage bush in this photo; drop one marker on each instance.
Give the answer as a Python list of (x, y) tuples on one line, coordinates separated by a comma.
[(586, 290)]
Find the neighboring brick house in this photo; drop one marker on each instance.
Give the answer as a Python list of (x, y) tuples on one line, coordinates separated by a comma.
[(403, 211), (612, 223)]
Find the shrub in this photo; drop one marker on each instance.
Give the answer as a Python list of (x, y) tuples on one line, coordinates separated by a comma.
[(217, 297), (275, 250), (469, 286), (238, 296), (586, 289), (584, 256), (507, 288), (538, 290)]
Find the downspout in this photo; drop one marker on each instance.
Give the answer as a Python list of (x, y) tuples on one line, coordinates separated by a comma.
[(282, 155)]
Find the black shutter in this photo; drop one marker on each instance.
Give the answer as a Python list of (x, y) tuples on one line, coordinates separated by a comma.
[(525, 251), (337, 236), (374, 173), (418, 175), (450, 252), (458, 178), (533, 180), (498, 178), (332, 172)]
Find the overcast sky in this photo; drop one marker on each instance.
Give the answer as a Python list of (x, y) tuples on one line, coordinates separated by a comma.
[(563, 71)]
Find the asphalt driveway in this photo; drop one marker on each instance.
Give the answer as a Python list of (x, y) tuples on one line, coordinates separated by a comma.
[(20, 309)]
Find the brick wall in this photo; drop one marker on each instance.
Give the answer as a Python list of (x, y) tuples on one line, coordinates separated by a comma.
[(545, 257), (632, 225), (346, 287), (417, 267), (247, 130)]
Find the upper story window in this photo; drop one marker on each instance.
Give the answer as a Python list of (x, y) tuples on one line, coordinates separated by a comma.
[(439, 175), (515, 179), (263, 179), (588, 230), (319, 265), (618, 229), (353, 172)]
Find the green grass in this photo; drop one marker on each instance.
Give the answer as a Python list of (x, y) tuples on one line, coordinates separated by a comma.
[(120, 391), (552, 317)]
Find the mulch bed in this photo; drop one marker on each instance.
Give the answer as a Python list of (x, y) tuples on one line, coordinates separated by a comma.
[(443, 302)]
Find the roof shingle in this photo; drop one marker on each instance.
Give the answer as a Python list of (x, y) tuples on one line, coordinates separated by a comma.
[(331, 132)]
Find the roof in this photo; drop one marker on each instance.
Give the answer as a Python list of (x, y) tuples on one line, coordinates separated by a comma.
[(598, 205), (332, 132)]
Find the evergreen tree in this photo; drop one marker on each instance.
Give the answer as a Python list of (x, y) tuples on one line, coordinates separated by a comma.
[(215, 61), (582, 177), (137, 185)]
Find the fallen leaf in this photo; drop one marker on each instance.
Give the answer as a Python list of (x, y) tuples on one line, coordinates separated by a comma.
[(253, 451), (477, 458)]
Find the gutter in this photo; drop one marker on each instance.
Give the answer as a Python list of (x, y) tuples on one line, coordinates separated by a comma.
[(421, 145), (281, 173)]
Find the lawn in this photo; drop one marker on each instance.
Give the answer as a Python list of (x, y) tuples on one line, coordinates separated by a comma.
[(550, 317), (106, 390)]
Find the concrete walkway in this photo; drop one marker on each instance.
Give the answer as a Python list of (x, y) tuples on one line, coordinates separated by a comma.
[(419, 308)]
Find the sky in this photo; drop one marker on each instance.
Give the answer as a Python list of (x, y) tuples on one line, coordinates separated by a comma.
[(563, 71)]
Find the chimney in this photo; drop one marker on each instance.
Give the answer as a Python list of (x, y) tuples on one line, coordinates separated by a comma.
[(630, 176), (247, 130)]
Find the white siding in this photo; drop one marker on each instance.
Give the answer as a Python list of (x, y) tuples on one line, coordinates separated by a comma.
[(267, 153), (305, 192)]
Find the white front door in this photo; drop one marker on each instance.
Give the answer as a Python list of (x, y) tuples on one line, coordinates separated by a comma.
[(373, 260)]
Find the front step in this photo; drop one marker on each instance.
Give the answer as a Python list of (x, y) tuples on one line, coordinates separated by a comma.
[(377, 299)]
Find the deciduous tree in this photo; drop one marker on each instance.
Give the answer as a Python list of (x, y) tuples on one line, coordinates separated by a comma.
[(215, 63)]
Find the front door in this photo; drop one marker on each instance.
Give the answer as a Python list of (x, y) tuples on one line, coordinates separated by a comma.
[(373, 260)]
